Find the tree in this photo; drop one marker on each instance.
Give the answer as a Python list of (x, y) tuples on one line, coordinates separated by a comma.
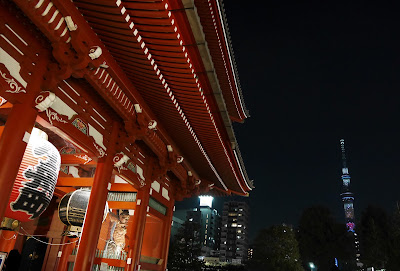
[(185, 248), (374, 237), (276, 249), (321, 240), (394, 251)]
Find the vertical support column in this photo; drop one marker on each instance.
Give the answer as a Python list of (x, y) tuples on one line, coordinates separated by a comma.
[(139, 222), (94, 213), (7, 240), (12, 147), (66, 251), (167, 234)]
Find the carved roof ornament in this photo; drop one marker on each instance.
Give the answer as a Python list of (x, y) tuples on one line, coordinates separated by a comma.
[(44, 100), (152, 125), (14, 86), (2, 101), (169, 148), (100, 150), (95, 52), (179, 159), (138, 109), (104, 65), (70, 23), (83, 157), (119, 160)]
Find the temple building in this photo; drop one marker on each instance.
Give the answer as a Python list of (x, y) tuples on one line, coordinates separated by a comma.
[(110, 112)]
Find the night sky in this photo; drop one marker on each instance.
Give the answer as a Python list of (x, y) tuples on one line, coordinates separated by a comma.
[(311, 74)]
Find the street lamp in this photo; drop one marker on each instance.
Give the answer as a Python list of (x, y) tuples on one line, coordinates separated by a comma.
[(312, 266)]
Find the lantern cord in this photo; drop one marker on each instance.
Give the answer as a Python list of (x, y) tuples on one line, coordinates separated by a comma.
[(51, 244), (8, 239)]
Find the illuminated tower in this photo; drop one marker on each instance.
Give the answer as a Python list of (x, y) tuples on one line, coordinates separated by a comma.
[(347, 196)]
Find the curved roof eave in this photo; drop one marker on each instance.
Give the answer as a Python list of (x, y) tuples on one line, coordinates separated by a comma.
[(199, 35)]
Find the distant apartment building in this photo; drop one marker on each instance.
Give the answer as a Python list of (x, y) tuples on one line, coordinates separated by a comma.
[(210, 226), (209, 221), (234, 233), (177, 223)]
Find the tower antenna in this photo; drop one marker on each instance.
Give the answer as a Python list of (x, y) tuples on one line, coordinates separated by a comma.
[(348, 199), (343, 153)]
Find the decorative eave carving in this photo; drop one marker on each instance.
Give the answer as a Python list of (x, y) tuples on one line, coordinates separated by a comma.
[(119, 160), (44, 100)]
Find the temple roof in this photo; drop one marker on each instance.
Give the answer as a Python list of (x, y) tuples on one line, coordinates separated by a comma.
[(192, 90)]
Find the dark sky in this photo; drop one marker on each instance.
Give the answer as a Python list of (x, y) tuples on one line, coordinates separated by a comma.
[(313, 72)]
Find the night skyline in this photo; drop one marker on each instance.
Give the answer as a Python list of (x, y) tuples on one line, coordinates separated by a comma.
[(311, 74)]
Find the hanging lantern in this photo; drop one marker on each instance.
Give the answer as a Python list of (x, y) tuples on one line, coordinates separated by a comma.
[(36, 179), (72, 210), (72, 207)]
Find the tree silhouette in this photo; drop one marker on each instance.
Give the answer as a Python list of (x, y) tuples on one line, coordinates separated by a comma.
[(185, 248), (394, 251), (276, 248), (321, 240), (374, 237)]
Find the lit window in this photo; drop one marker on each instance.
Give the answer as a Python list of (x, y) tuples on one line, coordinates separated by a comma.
[(234, 225)]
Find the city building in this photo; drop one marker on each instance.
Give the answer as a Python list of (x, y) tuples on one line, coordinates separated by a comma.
[(137, 99), (210, 226), (234, 232), (177, 223), (250, 253)]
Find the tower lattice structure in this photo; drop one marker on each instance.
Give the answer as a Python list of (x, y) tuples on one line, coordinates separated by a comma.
[(348, 205), (346, 195)]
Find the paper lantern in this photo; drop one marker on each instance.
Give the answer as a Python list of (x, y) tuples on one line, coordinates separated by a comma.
[(36, 179)]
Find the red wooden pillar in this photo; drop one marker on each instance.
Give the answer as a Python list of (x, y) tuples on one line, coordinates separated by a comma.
[(95, 210), (167, 234), (12, 147), (7, 240), (65, 253), (139, 223)]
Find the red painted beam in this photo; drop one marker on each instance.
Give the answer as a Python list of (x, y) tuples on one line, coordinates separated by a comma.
[(77, 159), (74, 182), (121, 205)]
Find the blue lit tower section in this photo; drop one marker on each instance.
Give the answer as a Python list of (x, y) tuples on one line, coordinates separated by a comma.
[(347, 196)]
